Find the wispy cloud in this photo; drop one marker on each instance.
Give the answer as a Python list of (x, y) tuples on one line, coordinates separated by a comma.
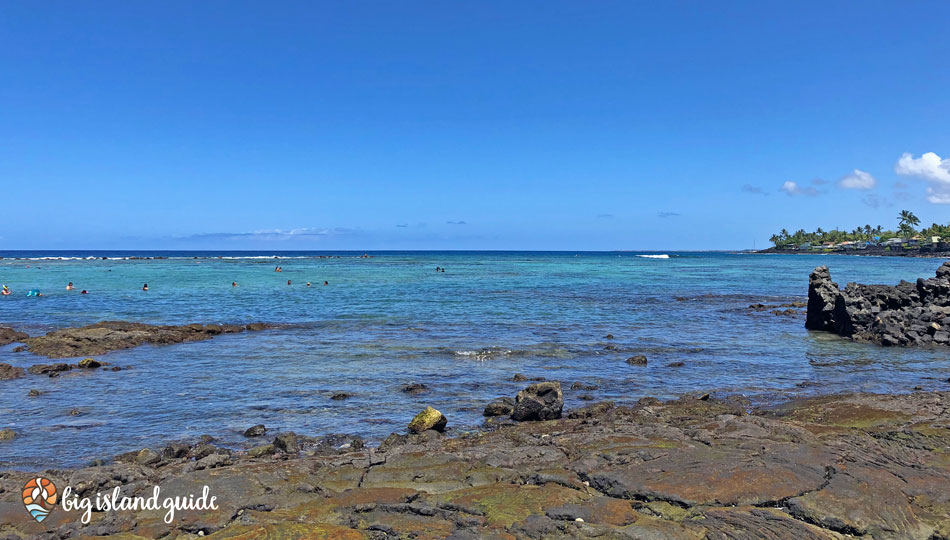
[(930, 167), (403, 225), (872, 200), (456, 223), (667, 214), (273, 234), (756, 190), (792, 188), (605, 216), (858, 179)]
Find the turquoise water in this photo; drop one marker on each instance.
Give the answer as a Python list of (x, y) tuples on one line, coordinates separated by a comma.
[(391, 319)]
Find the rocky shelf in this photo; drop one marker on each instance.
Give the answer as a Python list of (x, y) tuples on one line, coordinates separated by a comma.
[(106, 336), (872, 466), (905, 314)]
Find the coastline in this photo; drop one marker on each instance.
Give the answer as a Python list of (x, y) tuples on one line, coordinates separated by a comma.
[(698, 466), (871, 251)]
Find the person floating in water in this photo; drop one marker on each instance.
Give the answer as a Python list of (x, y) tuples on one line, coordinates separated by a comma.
[(438, 268), (145, 287), (234, 283), (69, 286), (6, 291), (288, 282), (308, 284), (84, 291), (325, 283), (34, 292)]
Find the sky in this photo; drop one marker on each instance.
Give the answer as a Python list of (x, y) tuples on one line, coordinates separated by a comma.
[(523, 125)]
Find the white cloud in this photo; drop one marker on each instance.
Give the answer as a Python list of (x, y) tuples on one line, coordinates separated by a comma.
[(792, 188), (938, 196), (858, 180), (930, 167)]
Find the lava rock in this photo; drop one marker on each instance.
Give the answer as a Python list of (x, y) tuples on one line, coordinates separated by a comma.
[(428, 419), (414, 388), (500, 407), (638, 360), (540, 401), (89, 363), (255, 431), (8, 372), (287, 442)]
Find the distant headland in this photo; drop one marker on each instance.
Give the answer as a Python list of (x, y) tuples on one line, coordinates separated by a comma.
[(905, 241)]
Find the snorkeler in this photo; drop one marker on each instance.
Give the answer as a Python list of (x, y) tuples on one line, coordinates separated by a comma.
[(69, 286), (6, 291), (145, 287), (84, 291), (34, 292)]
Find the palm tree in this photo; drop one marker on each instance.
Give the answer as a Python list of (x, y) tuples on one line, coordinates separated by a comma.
[(907, 217)]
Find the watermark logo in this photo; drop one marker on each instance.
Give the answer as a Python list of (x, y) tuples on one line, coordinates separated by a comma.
[(39, 497)]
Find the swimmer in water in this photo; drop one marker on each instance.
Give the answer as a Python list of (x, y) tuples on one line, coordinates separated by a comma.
[(6, 291), (325, 283), (288, 282), (145, 287), (234, 283), (84, 291), (69, 286), (308, 284)]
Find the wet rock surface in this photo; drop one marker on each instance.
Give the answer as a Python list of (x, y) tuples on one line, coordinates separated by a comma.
[(8, 372), (102, 337), (9, 335), (834, 467), (908, 314)]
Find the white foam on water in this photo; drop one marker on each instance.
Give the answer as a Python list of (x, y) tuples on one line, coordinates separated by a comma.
[(664, 256)]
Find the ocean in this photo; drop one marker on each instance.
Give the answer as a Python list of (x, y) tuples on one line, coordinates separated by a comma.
[(391, 319)]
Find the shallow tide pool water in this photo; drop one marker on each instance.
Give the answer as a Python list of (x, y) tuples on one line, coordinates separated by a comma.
[(391, 319)]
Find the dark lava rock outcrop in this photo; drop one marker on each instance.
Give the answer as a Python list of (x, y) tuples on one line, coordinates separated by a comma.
[(541, 401), (834, 467), (906, 314), (9, 335), (103, 337)]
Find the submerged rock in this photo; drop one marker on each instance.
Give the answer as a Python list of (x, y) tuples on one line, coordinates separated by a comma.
[(428, 419), (255, 431), (638, 360), (7, 434), (414, 388), (540, 401)]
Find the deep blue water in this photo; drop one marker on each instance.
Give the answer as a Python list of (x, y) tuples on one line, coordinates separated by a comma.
[(391, 319)]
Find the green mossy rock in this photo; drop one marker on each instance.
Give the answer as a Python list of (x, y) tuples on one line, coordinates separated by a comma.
[(428, 419)]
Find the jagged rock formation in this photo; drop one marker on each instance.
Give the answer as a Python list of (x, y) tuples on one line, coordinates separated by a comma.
[(907, 314)]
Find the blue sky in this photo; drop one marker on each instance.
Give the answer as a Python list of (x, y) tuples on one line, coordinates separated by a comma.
[(467, 125)]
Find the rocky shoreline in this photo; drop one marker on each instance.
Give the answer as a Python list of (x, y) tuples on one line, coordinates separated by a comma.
[(908, 314), (106, 336), (871, 251), (875, 466)]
